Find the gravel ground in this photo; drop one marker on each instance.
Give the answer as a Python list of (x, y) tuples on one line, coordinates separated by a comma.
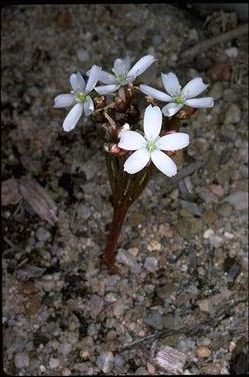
[(181, 284)]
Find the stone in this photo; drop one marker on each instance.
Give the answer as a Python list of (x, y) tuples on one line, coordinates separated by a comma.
[(192, 207), (136, 219), (83, 55), (151, 264), (66, 372), (233, 114), (225, 209), (118, 308), (189, 227), (171, 360), (110, 297), (43, 234), (83, 211), (203, 352), (232, 52), (154, 319), (95, 305), (193, 35), (54, 363), (21, 360), (217, 190), (239, 200), (141, 372), (154, 245), (216, 91), (214, 239), (205, 305), (226, 155), (124, 257), (209, 217), (105, 362), (65, 348)]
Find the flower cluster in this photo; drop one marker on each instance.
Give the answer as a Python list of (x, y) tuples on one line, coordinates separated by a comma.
[(146, 147)]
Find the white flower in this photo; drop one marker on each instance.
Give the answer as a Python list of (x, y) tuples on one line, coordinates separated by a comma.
[(122, 73), (178, 97), (79, 97), (149, 146)]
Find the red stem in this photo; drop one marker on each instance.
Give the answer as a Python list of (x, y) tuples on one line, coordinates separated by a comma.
[(119, 212)]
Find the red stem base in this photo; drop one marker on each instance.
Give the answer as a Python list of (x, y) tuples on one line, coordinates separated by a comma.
[(119, 212)]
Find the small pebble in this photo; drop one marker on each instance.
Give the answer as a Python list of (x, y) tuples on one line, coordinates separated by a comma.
[(66, 372), (151, 264), (54, 363), (154, 245), (203, 352), (232, 52), (43, 234), (105, 362), (21, 360)]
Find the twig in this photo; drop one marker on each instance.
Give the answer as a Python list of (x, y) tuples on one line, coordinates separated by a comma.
[(205, 45), (12, 246), (212, 321)]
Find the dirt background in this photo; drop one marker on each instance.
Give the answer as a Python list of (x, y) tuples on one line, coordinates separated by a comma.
[(181, 285)]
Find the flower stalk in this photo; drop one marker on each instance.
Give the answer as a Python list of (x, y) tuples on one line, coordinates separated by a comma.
[(126, 189)]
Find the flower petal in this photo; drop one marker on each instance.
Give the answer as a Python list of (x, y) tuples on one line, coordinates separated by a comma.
[(173, 142), (77, 82), (152, 122), (131, 141), (73, 117), (120, 67), (200, 102), (171, 84), (105, 89), (141, 66), (193, 88), (171, 109), (164, 163), (157, 94), (106, 78), (127, 63), (93, 78), (137, 161), (88, 106), (64, 100)]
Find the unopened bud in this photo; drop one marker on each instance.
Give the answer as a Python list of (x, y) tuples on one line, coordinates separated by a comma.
[(170, 153), (186, 112), (120, 105), (100, 102), (114, 149), (150, 99), (163, 133)]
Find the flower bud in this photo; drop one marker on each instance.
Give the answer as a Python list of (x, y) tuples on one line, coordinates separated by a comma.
[(186, 112), (163, 133), (100, 102), (114, 149), (120, 105)]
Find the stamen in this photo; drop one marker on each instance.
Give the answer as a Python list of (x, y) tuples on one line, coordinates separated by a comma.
[(81, 97)]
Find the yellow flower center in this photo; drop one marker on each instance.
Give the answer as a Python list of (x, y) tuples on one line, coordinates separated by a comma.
[(178, 100), (151, 145), (81, 97), (120, 79)]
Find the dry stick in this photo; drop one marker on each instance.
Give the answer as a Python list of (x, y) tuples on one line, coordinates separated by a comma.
[(212, 320), (205, 45)]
